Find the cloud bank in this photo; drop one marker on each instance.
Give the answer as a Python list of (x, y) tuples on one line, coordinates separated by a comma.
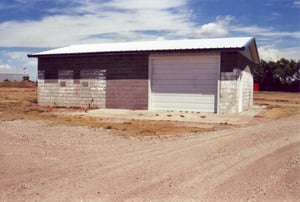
[(89, 21), (117, 20), (111, 21)]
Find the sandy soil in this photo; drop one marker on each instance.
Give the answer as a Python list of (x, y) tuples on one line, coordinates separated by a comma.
[(259, 162)]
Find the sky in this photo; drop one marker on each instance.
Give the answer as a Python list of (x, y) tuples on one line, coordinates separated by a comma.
[(29, 26)]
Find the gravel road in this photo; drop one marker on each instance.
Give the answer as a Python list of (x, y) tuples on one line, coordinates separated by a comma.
[(40, 162)]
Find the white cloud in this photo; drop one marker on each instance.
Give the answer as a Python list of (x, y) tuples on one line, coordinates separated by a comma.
[(296, 4), (282, 34), (223, 26), (262, 31), (138, 4), (94, 7), (98, 18), (270, 53), (17, 60), (252, 29), (5, 66), (219, 28), (117, 20)]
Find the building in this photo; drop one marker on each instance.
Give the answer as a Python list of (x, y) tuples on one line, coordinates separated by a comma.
[(204, 75), (12, 75)]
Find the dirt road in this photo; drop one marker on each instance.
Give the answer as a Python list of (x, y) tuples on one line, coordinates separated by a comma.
[(59, 163)]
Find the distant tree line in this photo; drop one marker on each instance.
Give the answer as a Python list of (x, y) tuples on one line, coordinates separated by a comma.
[(282, 75)]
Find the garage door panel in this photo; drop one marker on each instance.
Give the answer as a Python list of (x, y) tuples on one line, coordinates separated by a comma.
[(160, 98), (187, 60), (184, 83), (199, 83), (184, 89), (179, 71), (188, 107), (186, 76), (179, 67), (179, 81)]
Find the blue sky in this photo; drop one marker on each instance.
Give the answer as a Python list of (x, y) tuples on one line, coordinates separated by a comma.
[(28, 26)]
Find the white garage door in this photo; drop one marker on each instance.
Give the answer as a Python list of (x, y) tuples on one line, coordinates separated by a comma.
[(184, 83)]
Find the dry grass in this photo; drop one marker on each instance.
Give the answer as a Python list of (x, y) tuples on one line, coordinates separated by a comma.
[(15, 103), (18, 84), (279, 104), (132, 127), (21, 103)]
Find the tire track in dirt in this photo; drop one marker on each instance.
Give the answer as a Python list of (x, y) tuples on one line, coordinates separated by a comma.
[(268, 183), (54, 172), (116, 168), (228, 169)]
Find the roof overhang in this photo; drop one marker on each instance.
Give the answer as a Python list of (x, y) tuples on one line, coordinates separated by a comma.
[(251, 52), (244, 45), (139, 52)]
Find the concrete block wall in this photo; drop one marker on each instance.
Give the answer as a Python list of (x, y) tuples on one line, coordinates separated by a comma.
[(246, 85), (236, 84), (73, 92), (228, 99), (236, 91), (127, 94), (101, 81)]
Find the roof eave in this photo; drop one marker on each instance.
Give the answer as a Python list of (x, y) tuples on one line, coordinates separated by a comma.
[(32, 56), (136, 52)]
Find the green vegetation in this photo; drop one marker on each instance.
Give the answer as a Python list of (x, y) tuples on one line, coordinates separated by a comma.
[(282, 75)]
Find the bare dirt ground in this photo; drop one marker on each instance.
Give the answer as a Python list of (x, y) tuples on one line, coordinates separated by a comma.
[(41, 160), (62, 163)]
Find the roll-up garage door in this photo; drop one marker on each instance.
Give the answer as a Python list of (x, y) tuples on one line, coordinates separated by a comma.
[(187, 83)]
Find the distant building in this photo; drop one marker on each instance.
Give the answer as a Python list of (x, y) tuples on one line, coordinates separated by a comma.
[(12, 75)]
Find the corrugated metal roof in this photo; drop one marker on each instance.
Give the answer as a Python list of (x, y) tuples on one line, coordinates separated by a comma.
[(187, 44)]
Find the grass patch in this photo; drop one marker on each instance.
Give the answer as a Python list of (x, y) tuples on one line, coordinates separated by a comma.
[(134, 127)]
